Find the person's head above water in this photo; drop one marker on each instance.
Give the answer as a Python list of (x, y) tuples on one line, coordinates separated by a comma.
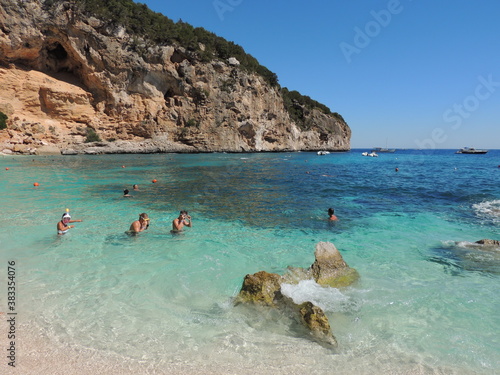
[(331, 211), (65, 217), (125, 192)]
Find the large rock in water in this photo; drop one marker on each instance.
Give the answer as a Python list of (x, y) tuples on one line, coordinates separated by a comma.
[(261, 288), (264, 289), (317, 322), (329, 269)]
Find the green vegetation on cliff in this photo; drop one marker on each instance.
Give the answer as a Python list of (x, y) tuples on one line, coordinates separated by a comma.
[(3, 121), (298, 105), (158, 29), (92, 136)]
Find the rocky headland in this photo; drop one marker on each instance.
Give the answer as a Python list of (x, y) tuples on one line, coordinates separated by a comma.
[(68, 78)]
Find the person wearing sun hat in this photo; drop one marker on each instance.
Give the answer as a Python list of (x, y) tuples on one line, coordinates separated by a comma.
[(63, 225)]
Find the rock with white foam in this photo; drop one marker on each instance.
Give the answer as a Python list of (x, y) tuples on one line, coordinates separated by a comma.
[(328, 270)]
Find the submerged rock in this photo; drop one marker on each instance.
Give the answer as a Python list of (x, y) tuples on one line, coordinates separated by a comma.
[(488, 242)]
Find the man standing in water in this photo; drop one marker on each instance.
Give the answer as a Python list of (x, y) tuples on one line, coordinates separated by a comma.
[(140, 225), (178, 223)]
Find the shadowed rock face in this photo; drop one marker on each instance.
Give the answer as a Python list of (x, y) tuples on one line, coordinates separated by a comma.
[(329, 269), (69, 72)]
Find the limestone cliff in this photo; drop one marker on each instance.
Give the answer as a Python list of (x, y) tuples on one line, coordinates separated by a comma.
[(63, 74)]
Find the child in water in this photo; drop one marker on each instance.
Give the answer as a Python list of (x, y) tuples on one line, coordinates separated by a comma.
[(63, 226)]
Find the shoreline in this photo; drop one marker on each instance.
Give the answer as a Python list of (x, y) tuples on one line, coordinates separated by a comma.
[(106, 150), (41, 355), (93, 150)]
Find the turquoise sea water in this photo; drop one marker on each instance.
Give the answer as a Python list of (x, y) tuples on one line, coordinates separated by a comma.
[(426, 302)]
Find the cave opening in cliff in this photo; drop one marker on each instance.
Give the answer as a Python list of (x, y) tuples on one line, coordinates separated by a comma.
[(57, 59), (169, 94), (57, 52), (58, 64)]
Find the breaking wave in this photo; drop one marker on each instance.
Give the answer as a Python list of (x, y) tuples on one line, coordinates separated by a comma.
[(489, 210)]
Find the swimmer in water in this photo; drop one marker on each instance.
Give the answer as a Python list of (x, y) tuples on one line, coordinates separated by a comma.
[(183, 220), (63, 226), (126, 193), (331, 214), (140, 225)]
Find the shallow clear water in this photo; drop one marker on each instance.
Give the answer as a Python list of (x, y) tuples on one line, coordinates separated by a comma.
[(427, 302)]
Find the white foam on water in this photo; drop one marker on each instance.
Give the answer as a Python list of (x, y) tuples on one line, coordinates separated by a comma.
[(329, 299), (488, 210)]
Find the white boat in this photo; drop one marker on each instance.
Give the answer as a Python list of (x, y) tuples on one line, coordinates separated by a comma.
[(383, 149), (371, 154), (470, 150), (323, 152)]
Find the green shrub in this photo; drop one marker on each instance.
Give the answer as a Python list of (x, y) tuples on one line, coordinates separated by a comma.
[(192, 123), (296, 104), (92, 136), (3, 120)]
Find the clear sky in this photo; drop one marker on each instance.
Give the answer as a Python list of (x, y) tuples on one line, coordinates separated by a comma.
[(402, 73)]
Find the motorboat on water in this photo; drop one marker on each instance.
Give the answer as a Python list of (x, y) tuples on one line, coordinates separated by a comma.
[(371, 154), (383, 149), (323, 152), (470, 150)]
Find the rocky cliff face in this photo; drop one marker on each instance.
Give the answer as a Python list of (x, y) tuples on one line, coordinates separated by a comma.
[(63, 75)]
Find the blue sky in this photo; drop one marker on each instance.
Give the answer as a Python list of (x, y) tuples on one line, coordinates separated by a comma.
[(406, 73)]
